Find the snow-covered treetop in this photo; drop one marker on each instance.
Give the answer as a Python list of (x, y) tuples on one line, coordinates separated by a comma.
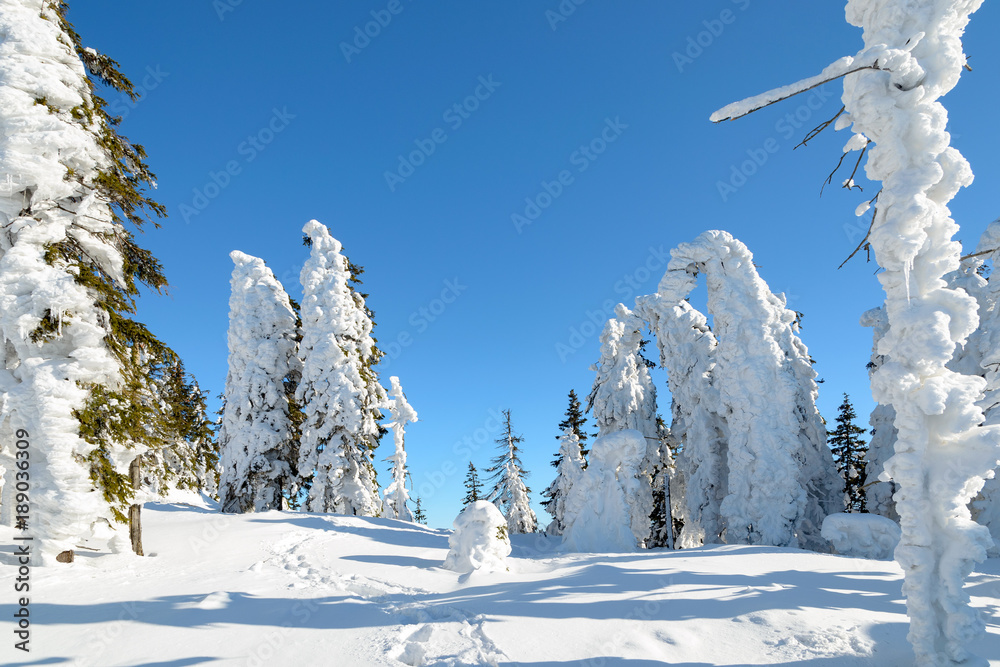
[(400, 409)]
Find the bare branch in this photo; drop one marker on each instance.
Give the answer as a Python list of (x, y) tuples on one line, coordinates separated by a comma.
[(819, 128), (864, 241)]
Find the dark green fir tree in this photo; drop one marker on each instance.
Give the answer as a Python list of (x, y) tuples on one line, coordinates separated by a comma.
[(850, 454), (418, 513), (473, 487)]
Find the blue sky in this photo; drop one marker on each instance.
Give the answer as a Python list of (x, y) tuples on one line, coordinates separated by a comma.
[(257, 120)]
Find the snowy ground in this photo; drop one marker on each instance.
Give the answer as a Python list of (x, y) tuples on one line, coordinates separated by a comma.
[(300, 589)]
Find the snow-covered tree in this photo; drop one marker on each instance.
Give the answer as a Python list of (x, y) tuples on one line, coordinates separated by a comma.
[(339, 393), (480, 540), (509, 493), (879, 492), (576, 420), (188, 457), (567, 473), (912, 56), (986, 505), (597, 511), (624, 397), (687, 352), (258, 473), (473, 488), (849, 454), (781, 479), (396, 495), (662, 522), (70, 271)]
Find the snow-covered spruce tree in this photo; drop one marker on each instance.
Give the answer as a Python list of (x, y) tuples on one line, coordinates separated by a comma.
[(339, 393), (663, 525), (986, 505), (623, 397), (879, 491), (188, 457), (69, 274), (687, 352), (849, 454), (576, 420), (782, 482), (257, 471), (912, 56), (473, 488), (509, 493), (570, 467), (396, 495)]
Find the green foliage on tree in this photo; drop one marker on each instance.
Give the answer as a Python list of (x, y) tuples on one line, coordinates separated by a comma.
[(418, 513), (473, 487), (850, 453), (126, 414)]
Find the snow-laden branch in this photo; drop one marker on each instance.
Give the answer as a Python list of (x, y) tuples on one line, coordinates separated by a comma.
[(834, 71)]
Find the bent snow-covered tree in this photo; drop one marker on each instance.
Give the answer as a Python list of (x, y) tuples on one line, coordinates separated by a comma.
[(255, 438), (912, 56), (687, 347), (396, 495), (70, 270), (339, 393), (781, 478)]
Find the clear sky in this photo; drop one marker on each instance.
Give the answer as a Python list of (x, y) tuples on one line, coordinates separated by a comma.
[(259, 117)]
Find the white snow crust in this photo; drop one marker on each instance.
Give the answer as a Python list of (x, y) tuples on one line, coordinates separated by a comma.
[(861, 535)]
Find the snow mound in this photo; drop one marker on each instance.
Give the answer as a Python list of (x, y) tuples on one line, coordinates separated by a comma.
[(862, 535), (598, 507), (480, 540)]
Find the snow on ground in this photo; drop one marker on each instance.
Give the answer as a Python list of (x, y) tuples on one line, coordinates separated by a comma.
[(282, 588)]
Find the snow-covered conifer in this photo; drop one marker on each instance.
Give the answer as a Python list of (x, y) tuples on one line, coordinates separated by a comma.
[(687, 351), (509, 493), (567, 473), (480, 540), (597, 512), (782, 481), (878, 494), (69, 274), (624, 397), (941, 455), (339, 393), (257, 473), (396, 495), (912, 56)]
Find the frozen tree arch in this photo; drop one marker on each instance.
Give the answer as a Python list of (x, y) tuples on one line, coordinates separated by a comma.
[(912, 56), (756, 465)]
